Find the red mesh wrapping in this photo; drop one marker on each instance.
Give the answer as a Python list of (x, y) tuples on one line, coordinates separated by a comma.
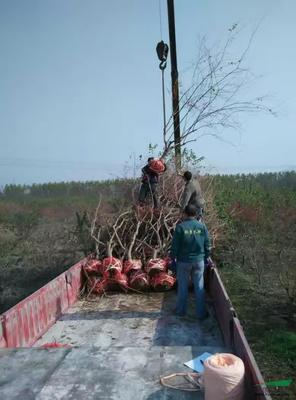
[(139, 281), (155, 266), (111, 265), (97, 285), (93, 266), (162, 281), (118, 281), (157, 165), (131, 266)]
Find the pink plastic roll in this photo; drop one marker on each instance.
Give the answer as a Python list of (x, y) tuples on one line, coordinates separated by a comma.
[(224, 377)]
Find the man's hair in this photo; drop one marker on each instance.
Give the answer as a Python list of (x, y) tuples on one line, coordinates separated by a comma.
[(187, 175), (190, 210), (150, 158)]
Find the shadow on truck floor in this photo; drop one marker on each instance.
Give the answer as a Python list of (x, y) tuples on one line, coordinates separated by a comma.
[(103, 315), (172, 330)]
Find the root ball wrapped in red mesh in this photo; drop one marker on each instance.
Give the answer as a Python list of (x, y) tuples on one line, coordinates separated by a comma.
[(162, 281), (131, 266), (156, 265), (111, 265), (97, 285), (139, 280), (118, 281), (93, 266)]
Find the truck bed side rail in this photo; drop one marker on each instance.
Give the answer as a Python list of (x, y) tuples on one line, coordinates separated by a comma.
[(24, 323), (234, 336)]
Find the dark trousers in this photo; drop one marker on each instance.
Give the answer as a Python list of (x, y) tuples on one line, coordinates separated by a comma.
[(147, 189)]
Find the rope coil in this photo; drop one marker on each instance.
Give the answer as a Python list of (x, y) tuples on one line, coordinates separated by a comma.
[(192, 382)]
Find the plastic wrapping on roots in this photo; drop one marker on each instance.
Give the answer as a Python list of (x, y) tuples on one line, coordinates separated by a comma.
[(162, 281), (131, 266), (139, 280), (156, 265), (112, 263), (93, 266), (110, 275), (111, 267), (119, 281), (96, 285)]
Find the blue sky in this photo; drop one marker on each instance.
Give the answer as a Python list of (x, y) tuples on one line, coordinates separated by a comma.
[(80, 85)]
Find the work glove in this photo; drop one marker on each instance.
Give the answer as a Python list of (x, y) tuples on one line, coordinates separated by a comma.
[(209, 262)]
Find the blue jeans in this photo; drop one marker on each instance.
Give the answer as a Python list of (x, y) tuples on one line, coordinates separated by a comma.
[(196, 270)]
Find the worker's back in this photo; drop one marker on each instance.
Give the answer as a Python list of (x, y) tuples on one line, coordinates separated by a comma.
[(190, 241), (194, 193)]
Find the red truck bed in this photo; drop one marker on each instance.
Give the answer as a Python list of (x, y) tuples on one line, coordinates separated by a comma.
[(120, 344)]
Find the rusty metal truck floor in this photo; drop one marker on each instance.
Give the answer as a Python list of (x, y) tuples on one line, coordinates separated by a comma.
[(121, 345)]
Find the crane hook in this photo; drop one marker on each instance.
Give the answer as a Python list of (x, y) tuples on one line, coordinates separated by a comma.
[(162, 50)]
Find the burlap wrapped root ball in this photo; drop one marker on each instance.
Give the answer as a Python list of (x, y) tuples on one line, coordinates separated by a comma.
[(224, 377)]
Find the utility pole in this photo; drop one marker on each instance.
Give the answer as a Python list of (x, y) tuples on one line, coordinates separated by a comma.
[(175, 83)]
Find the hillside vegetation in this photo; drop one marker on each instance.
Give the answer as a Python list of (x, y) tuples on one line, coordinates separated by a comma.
[(256, 258), (45, 228)]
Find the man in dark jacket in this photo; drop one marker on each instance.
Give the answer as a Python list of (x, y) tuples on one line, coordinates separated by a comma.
[(192, 194), (149, 184), (190, 247)]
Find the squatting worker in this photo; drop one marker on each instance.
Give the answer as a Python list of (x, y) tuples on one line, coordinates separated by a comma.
[(149, 185), (192, 194), (190, 247)]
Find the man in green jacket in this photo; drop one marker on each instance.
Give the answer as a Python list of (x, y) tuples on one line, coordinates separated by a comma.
[(190, 247)]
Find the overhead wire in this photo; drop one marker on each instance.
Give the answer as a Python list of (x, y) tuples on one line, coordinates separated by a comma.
[(162, 67), (160, 18)]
